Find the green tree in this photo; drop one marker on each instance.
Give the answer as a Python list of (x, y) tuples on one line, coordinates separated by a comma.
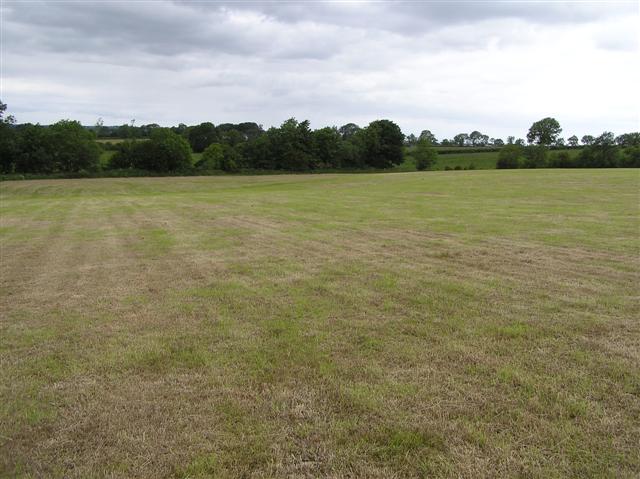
[(165, 151), (628, 139), (544, 132), (327, 147), (411, 140), (630, 157), (212, 157), (588, 140), (535, 156), (478, 139), (572, 141), (428, 136), (603, 153), (509, 156), (231, 159), (349, 130), (382, 144), (72, 147), (461, 139), (201, 136), (424, 154), (9, 149)]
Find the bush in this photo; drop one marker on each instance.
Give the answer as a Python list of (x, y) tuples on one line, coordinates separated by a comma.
[(382, 144), (602, 153), (561, 159), (212, 157), (164, 151), (535, 156), (630, 157), (509, 157), (425, 155)]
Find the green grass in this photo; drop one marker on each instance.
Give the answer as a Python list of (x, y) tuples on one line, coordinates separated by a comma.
[(437, 324), (480, 161)]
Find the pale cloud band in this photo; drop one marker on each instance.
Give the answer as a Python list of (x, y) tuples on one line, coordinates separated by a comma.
[(445, 66)]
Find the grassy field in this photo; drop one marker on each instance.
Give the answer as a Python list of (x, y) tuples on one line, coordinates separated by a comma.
[(479, 161), (439, 324)]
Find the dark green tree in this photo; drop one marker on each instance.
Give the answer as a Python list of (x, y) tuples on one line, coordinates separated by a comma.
[(428, 136), (572, 141), (544, 132), (509, 156), (348, 130), (603, 153), (535, 156), (382, 144), (201, 136), (9, 148), (588, 140), (327, 144), (212, 157), (461, 139)]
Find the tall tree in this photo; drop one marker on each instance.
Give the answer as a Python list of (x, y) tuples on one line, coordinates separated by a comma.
[(383, 141), (544, 132), (572, 141), (426, 135), (461, 139), (588, 140), (348, 130), (201, 136)]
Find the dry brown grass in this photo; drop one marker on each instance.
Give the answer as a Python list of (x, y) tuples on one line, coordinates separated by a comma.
[(335, 326)]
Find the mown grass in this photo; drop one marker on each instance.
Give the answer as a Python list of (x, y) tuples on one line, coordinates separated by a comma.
[(439, 324)]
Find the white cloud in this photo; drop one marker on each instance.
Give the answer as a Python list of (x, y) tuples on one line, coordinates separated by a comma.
[(451, 68)]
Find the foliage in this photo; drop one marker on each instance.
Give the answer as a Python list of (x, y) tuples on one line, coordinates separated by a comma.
[(64, 146), (509, 156), (561, 159), (382, 144), (461, 139), (588, 140), (212, 157), (572, 141), (602, 153), (426, 135), (425, 155), (535, 156), (164, 151), (628, 139), (349, 130), (630, 157), (544, 132), (201, 136)]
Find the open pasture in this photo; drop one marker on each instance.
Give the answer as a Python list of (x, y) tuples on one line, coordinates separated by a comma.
[(440, 324)]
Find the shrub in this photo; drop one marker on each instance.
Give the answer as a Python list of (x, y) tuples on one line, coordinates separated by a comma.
[(212, 157), (630, 157), (509, 157), (424, 154), (561, 159), (535, 156), (164, 151)]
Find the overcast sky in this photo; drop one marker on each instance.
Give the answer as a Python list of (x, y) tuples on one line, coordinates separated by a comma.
[(445, 66)]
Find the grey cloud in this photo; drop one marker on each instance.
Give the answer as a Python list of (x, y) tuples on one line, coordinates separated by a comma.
[(444, 66)]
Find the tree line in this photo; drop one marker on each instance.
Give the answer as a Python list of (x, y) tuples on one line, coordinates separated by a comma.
[(69, 147), (603, 151)]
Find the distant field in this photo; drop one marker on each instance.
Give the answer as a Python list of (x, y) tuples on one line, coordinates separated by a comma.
[(437, 324), (481, 161)]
